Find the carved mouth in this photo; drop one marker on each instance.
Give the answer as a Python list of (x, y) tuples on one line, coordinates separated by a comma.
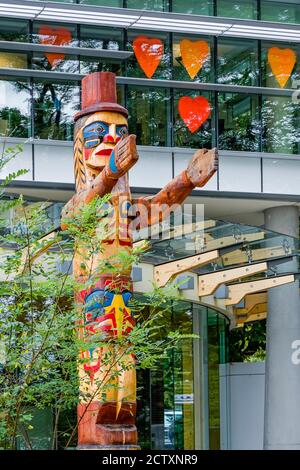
[(104, 152)]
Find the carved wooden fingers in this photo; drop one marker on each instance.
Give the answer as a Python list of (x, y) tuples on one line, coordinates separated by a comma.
[(123, 157), (202, 166)]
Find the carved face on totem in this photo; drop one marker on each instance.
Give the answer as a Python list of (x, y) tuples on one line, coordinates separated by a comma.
[(96, 137)]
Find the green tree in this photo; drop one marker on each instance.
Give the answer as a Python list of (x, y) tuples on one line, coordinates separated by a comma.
[(38, 317)]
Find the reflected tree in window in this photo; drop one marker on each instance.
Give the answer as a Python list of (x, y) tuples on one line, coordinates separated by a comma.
[(54, 108), (281, 125), (245, 9), (284, 12), (148, 115), (14, 109), (237, 62), (158, 5), (239, 126), (205, 7)]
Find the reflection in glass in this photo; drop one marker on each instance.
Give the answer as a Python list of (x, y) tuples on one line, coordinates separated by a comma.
[(14, 108), (239, 126), (103, 3), (98, 37), (55, 62), (183, 379), (281, 129), (55, 104), (151, 56), (94, 64), (192, 58), (14, 30), (213, 380), (245, 9), (205, 7), (202, 137), (284, 12), (238, 62), (159, 5), (280, 64), (55, 34), (148, 119), (15, 60)]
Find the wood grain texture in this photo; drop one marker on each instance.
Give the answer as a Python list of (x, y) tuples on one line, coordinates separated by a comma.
[(101, 166)]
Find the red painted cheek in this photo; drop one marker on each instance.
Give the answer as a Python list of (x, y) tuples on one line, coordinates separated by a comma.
[(87, 153), (118, 139)]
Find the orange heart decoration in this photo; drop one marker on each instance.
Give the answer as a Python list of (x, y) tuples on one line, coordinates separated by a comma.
[(282, 62), (194, 54), (194, 111), (148, 52), (55, 37)]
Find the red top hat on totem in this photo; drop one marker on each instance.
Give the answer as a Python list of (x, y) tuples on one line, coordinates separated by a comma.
[(99, 93)]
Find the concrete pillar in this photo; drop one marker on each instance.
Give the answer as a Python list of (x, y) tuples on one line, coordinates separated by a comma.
[(282, 393)]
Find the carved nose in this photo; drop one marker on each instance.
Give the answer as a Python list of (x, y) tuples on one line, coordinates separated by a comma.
[(108, 139)]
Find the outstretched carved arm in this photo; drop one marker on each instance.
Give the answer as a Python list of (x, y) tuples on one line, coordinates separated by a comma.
[(123, 157), (200, 169)]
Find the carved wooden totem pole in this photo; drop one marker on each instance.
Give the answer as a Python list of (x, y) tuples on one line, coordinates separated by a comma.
[(104, 152)]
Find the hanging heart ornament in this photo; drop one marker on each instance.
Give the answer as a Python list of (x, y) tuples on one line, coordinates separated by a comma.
[(282, 62), (194, 111), (54, 37), (148, 53), (194, 54)]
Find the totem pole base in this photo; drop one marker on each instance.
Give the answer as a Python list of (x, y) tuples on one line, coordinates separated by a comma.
[(116, 447)]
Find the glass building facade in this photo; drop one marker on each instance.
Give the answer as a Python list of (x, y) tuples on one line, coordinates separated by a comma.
[(239, 80), (241, 90), (179, 402)]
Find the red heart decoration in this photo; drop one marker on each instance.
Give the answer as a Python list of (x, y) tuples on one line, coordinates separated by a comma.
[(194, 111), (148, 52), (54, 37)]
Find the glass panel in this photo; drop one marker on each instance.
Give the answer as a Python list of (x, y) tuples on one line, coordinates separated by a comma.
[(255, 244), (193, 118), (15, 108), (151, 56), (104, 3), (56, 34), (239, 126), (148, 108), (280, 64), (192, 58), (285, 12), (281, 125), (101, 38), (213, 380), (183, 379), (55, 62), (15, 60), (14, 30), (237, 62), (206, 7), (55, 104), (94, 64), (160, 5), (245, 9), (143, 420)]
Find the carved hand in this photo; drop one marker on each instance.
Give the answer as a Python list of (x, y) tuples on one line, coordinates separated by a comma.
[(122, 158), (202, 166)]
